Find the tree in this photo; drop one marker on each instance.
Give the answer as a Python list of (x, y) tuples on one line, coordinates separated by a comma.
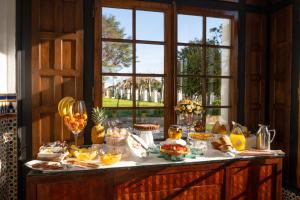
[(115, 55), (191, 61)]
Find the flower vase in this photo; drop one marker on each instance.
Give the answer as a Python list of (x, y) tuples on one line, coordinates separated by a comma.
[(186, 120)]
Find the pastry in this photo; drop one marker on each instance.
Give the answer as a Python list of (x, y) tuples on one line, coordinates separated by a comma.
[(219, 128), (200, 136), (146, 127), (223, 144)]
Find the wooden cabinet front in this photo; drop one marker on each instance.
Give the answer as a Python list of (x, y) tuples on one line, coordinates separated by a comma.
[(259, 179), (184, 182)]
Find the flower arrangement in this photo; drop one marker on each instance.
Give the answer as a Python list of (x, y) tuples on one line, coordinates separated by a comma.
[(187, 106)]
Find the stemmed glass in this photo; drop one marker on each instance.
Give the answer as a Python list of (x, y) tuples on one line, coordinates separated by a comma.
[(77, 119)]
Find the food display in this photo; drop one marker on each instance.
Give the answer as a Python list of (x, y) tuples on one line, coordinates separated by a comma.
[(65, 106), (81, 164), (199, 127), (74, 115), (175, 132), (237, 137), (174, 150), (47, 166), (219, 128), (52, 151), (116, 136), (76, 122), (83, 154), (223, 144), (200, 136), (110, 159), (98, 131), (146, 126), (146, 131), (199, 142), (116, 141)]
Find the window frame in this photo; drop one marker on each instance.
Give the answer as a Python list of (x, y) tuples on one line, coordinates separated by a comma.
[(144, 6), (170, 49), (233, 16)]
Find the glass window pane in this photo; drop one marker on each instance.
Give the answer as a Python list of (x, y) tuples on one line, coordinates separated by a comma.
[(149, 25), (116, 23), (117, 91), (218, 61), (189, 87), (190, 29), (190, 60), (218, 92), (149, 91), (216, 114), (152, 116), (149, 59), (218, 31), (116, 57), (121, 118)]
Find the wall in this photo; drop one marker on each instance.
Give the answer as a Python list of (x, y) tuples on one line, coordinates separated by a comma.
[(8, 104)]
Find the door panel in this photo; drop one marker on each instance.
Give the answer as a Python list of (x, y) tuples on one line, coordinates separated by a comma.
[(255, 69), (57, 42), (280, 80)]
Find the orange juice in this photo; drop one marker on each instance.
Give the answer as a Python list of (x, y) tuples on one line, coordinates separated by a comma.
[(238, 139)]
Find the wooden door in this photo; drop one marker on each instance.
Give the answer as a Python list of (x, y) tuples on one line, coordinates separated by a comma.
[(57, 48), (255, 69), (280, 80)]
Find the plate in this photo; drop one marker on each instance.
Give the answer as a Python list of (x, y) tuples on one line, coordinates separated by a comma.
[(31, 164)]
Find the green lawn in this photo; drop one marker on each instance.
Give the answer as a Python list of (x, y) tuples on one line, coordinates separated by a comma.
[(108, 102)]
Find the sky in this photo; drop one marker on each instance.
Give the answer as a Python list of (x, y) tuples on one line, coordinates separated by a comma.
[(150, 26)]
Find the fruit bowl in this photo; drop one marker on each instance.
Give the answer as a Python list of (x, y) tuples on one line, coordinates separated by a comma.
[(110, 159), (83, 154)]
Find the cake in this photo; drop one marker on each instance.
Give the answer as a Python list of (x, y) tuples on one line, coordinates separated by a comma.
[(174, 150), (146, 127)]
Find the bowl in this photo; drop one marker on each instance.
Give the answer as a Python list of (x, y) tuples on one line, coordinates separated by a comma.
[(85, 154), (110, 159)]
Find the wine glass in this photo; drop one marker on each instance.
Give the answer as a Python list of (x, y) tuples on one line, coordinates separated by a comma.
[(77, 119)]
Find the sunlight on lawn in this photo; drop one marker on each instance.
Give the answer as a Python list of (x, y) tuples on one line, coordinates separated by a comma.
[(109, 102)]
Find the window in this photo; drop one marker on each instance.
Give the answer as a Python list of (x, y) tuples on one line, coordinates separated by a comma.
[(133, 66), (204, 52), (143, 67)]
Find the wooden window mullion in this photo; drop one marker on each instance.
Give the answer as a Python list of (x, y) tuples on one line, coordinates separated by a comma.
[(205, 83), (134, 66)]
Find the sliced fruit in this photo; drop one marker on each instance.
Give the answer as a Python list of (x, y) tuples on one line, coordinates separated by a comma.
[(85, 154), (109, 159)]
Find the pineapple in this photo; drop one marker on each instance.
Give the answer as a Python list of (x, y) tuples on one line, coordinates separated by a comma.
[(98, 132)]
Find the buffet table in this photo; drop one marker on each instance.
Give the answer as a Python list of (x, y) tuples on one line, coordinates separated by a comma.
[(213, 176)]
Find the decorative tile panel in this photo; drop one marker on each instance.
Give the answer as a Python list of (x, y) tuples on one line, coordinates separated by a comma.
[(8, 147), (289, 195)]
